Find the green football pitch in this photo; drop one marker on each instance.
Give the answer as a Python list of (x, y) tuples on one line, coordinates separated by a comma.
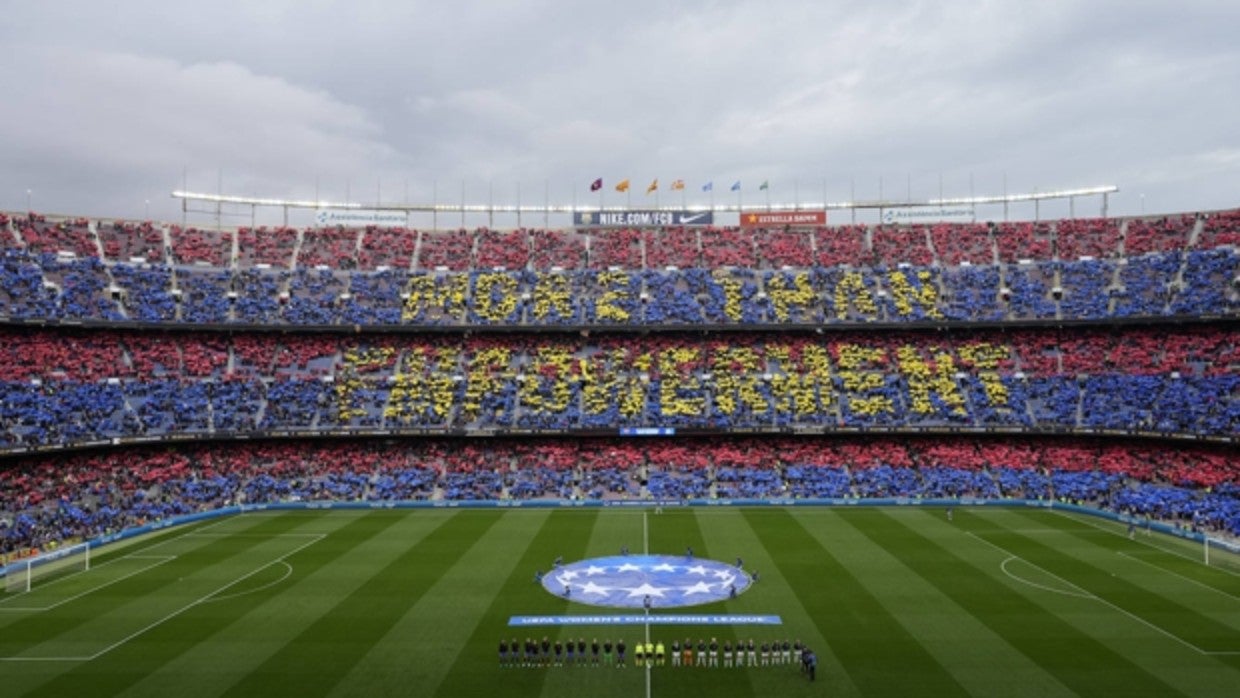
[(895, 602)]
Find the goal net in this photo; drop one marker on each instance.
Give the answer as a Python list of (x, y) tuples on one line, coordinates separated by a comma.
[(24, 575), (1221, 553)]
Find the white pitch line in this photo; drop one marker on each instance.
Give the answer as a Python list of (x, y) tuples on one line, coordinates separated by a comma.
[(1159, 548), (1085, 593), (1177, 574), (67, 577), (135, 554), (161, 560), (646, 551), (645, 533), (203, 599), (1079, 593), (288, 571), (179, 536), (195, 534), (1103, 601), (170, 616)]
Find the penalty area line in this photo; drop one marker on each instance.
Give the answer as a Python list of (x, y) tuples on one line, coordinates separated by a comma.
[(1099, 599), (197, 602), (159, 560), (205, 598)]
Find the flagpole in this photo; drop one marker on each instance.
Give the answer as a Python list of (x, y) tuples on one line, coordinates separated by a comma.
[(852, 198)]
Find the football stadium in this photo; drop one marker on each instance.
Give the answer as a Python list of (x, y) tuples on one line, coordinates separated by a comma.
[(729, 450)]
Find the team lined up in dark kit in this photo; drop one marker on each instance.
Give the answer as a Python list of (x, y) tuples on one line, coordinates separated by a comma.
[(548, 653)]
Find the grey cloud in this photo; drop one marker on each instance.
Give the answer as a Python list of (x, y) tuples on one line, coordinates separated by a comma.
[(497, 95)]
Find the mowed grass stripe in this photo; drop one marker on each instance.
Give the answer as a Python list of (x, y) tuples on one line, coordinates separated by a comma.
[(56, 589), (81, 627), (728, 534), (128, 663), (1099, 578), (322, 574), (670, 534), (1158, 572), (22, 678), (1083, 663), (1136, 608), (443, 620), (612, 529), (879, 654), (983, 662), (312, 662), (475, 671)]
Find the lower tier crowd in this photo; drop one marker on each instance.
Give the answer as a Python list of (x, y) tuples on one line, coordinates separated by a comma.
[(50, 500)]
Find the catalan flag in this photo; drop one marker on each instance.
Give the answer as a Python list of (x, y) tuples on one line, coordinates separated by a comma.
[(596, 184), (623, 185), (678, 185), (654, 186)]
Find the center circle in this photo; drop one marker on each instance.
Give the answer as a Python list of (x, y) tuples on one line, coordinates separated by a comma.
[(637, 581)]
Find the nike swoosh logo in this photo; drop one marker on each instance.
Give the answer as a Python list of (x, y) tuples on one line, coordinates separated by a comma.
[(690, 219)]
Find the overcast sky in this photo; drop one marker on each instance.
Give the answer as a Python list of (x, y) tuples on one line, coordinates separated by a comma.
[(108, 105)]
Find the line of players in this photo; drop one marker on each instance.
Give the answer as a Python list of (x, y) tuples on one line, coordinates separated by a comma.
[(546, 653)]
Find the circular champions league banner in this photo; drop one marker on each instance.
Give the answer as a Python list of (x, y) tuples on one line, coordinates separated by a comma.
[(632, 581)]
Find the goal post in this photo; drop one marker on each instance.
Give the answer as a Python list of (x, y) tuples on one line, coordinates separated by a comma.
[(24, 575), (1217, 552)]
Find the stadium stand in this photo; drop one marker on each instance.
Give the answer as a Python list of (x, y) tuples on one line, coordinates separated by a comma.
[(83, 495), (1173, 382), (881, 361), (1080, 271)]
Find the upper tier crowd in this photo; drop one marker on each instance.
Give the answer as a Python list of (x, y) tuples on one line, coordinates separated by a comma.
[(85, 495), (65, 387), (119, 272)]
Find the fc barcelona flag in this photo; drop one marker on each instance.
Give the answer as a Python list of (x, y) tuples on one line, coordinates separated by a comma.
[(596, 184)]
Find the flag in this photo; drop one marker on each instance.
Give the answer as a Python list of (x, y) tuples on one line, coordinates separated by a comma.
[(596, 184), (765, 185), (678, 185), (709, 186), (736, 186), (654, 186), (623, 185)]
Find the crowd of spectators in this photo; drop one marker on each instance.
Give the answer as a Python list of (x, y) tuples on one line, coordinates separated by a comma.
[(63, 387), (91, 494), (1067, 270), (106, 385)]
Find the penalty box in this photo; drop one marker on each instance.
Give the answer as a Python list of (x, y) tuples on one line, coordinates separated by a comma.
[(232, 565)]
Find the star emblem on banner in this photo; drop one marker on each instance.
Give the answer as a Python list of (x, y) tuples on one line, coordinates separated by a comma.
[(647, 590), (632, 581), (699, 588)]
